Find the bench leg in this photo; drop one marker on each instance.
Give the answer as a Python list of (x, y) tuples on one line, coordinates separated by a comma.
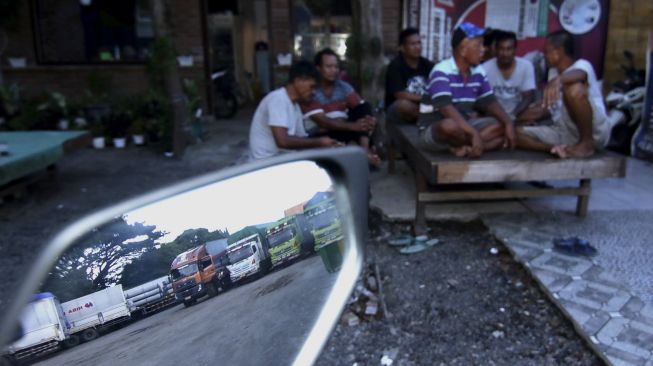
[(584, 198), (391, 157), (419, 226)]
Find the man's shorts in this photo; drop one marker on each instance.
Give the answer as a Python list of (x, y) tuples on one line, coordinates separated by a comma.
[(392, 115), (563, 131), (437, 144)]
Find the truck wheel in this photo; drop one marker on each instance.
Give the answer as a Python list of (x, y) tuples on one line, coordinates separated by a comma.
[(71, 341), (89, 334), (7, 361), (212, 289), (189, 303)]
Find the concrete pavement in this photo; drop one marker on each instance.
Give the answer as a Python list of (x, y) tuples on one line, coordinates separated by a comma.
[(609, 298)]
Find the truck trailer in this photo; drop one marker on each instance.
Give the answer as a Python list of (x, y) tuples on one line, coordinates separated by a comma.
[(44, 328), (151, 296), (92, 313)]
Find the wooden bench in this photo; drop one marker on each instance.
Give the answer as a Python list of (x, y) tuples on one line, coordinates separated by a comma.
[(434, 171)]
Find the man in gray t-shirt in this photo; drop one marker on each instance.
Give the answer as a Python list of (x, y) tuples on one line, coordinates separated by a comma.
[(512, 78), (278, 123)]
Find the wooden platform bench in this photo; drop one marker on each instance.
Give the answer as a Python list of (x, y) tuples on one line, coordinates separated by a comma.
[(435, 172)]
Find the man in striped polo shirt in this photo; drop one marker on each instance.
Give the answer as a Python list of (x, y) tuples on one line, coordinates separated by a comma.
[(458, 94)]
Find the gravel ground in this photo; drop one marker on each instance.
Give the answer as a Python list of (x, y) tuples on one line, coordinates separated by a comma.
[(456, 304), (446, 303)]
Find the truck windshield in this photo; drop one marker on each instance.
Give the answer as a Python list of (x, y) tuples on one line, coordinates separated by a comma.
[(241, 253), (280, 237), (184, 271), (323, 218)]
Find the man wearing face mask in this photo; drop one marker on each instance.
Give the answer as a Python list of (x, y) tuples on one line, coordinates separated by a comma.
[(405, 79), (457, 91), (278, 124), (512, 78)]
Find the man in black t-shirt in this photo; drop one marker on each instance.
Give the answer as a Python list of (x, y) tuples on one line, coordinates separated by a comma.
[(406, 77)]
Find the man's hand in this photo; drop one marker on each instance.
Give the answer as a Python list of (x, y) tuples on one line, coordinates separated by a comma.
[(510, 137), (329, 142), (365, 124), (551, 94)]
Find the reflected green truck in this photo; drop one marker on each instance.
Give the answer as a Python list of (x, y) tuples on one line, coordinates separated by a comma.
[(289, 238), (322, 216)]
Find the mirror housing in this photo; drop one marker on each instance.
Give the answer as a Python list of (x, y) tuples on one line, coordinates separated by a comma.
[(347, 167)]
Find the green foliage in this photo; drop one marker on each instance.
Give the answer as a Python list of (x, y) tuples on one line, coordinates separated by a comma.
[(100, 258), (245, 232), (162, 58)]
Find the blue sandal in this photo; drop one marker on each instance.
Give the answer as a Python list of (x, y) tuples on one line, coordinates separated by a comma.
[(574, 246)]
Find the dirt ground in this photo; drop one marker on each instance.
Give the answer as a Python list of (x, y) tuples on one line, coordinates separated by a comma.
[(454, 304)]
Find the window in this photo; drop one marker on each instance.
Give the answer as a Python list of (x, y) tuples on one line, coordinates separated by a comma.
[(320, 24), (89, 31)]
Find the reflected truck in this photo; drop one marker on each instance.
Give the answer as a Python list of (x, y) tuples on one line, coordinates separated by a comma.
[(44, 329), (289, 238), (322, 216), (200, 271), (248, 256)]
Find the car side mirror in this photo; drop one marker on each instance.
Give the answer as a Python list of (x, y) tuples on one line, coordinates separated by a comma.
[(297, 301)]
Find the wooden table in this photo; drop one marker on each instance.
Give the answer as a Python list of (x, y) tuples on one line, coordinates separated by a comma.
[(436, 170)]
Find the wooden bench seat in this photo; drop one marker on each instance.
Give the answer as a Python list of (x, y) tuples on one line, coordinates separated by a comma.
[(436, 170)]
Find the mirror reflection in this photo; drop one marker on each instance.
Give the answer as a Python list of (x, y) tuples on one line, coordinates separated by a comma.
[(235, 272)]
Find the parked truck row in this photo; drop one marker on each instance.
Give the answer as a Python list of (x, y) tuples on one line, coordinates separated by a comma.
[(206, 270)]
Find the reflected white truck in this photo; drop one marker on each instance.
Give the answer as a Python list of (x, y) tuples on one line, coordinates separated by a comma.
[(43, 327), (150, 296), (89, 314), (247, 257)]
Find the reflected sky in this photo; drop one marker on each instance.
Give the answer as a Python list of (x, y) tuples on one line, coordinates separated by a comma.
[(251, 199)]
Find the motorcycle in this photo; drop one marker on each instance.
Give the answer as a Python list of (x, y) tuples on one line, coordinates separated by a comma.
[(225, 102), (625, 103)]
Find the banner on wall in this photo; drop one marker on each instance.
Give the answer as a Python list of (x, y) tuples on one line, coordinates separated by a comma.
[(531, 20), (643, 138)]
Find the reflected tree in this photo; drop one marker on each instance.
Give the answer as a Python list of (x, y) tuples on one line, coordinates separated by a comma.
[(98, 259)]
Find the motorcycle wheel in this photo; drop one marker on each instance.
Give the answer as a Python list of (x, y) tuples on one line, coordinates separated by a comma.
[(226, 105)]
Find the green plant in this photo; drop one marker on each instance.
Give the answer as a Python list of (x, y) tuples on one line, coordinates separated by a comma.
[(117, 123), (138, 127), (97, 129)]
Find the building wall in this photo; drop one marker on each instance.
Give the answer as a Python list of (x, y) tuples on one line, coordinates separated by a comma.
[(127, 79), (627, 30)]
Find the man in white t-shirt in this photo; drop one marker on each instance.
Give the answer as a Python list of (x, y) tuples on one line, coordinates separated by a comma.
[(512, 78), (573, 100), (278, 123)]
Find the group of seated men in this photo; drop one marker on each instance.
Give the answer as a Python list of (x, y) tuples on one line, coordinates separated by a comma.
[(461, 104)]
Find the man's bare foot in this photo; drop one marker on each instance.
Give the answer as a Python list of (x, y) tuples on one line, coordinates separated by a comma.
[(581, 150), (560, 151), (461, 151)]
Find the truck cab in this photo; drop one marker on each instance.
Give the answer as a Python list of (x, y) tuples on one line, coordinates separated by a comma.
[(324, 222), (247, 257), (195, 274), (284, 243)]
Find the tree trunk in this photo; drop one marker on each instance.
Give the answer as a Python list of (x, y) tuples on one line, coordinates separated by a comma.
[(371, 49), (174, 91)]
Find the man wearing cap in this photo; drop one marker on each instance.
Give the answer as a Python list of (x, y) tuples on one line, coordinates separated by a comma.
[(457, 91)]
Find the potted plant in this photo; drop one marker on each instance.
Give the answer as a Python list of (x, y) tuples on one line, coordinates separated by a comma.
[(98, 131), (118, 123), (61, 108), (137, 131)]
